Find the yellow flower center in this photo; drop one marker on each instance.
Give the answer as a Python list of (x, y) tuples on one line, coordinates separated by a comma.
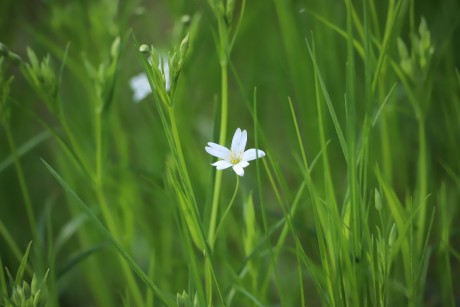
[(235, 159)]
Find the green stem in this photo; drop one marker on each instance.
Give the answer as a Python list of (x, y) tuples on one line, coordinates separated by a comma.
[(111, 225), (22, 183), (99, 147), (107, 213), (422, 185), (180, 154), (74, 145), (222, 139), (209, 270), (228, 208)]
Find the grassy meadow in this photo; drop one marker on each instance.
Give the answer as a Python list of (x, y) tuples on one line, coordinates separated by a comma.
[(107, 192)]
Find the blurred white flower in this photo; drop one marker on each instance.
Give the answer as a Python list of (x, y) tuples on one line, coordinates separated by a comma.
[(166, 72), (140, 86), (234, 157), (140, 83)]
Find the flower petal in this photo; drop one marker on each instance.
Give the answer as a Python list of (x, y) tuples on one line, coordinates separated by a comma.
[(140, 86), (236, 141), (165, 70), (252, 154), (238, 169), (222, 164), (243, 163), (242, 143), (218, 151)]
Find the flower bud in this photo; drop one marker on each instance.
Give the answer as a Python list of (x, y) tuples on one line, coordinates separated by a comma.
[(18, 296), (115, 49), (392, 236), (185, 19), (34, 285), (229, 10), (26, 289), (182, 299), (144, 49), (37, 297), (220, 7), (377, 200), (184, 45)]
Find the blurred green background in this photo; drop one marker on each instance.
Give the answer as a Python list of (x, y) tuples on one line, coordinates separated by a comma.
[(271, 55)]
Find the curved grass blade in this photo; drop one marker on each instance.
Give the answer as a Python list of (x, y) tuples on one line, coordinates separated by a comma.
[(79, 257), (167, 299), (25, 148), (12, 244), (23, 265)]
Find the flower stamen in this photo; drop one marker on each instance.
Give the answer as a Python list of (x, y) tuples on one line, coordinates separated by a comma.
[(234, 161)]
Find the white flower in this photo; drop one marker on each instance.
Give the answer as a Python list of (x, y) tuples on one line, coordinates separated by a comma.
[(234, 157), (140, 86), (140, 83), (166, 72)]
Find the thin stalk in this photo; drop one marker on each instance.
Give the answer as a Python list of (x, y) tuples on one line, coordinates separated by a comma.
[(186, 177), (218, 180), (74, 144), (264, 210), (393, 12), (299, 271), (180, 154), (385, 144), (22, 184), (3, 287), (328, 183), (356, 205), (222, 139), (99, 147), (327, 265), (228, 208), (111, 225), (238, 24), (85, 237), (107, 213), (13, 247), (422, 185), (209, 270), (445, 222), (122, 252)]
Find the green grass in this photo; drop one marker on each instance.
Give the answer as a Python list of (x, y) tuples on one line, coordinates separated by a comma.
[(109, 202)]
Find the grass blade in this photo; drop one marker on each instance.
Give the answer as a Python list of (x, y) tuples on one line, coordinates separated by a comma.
[(165, 298)]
